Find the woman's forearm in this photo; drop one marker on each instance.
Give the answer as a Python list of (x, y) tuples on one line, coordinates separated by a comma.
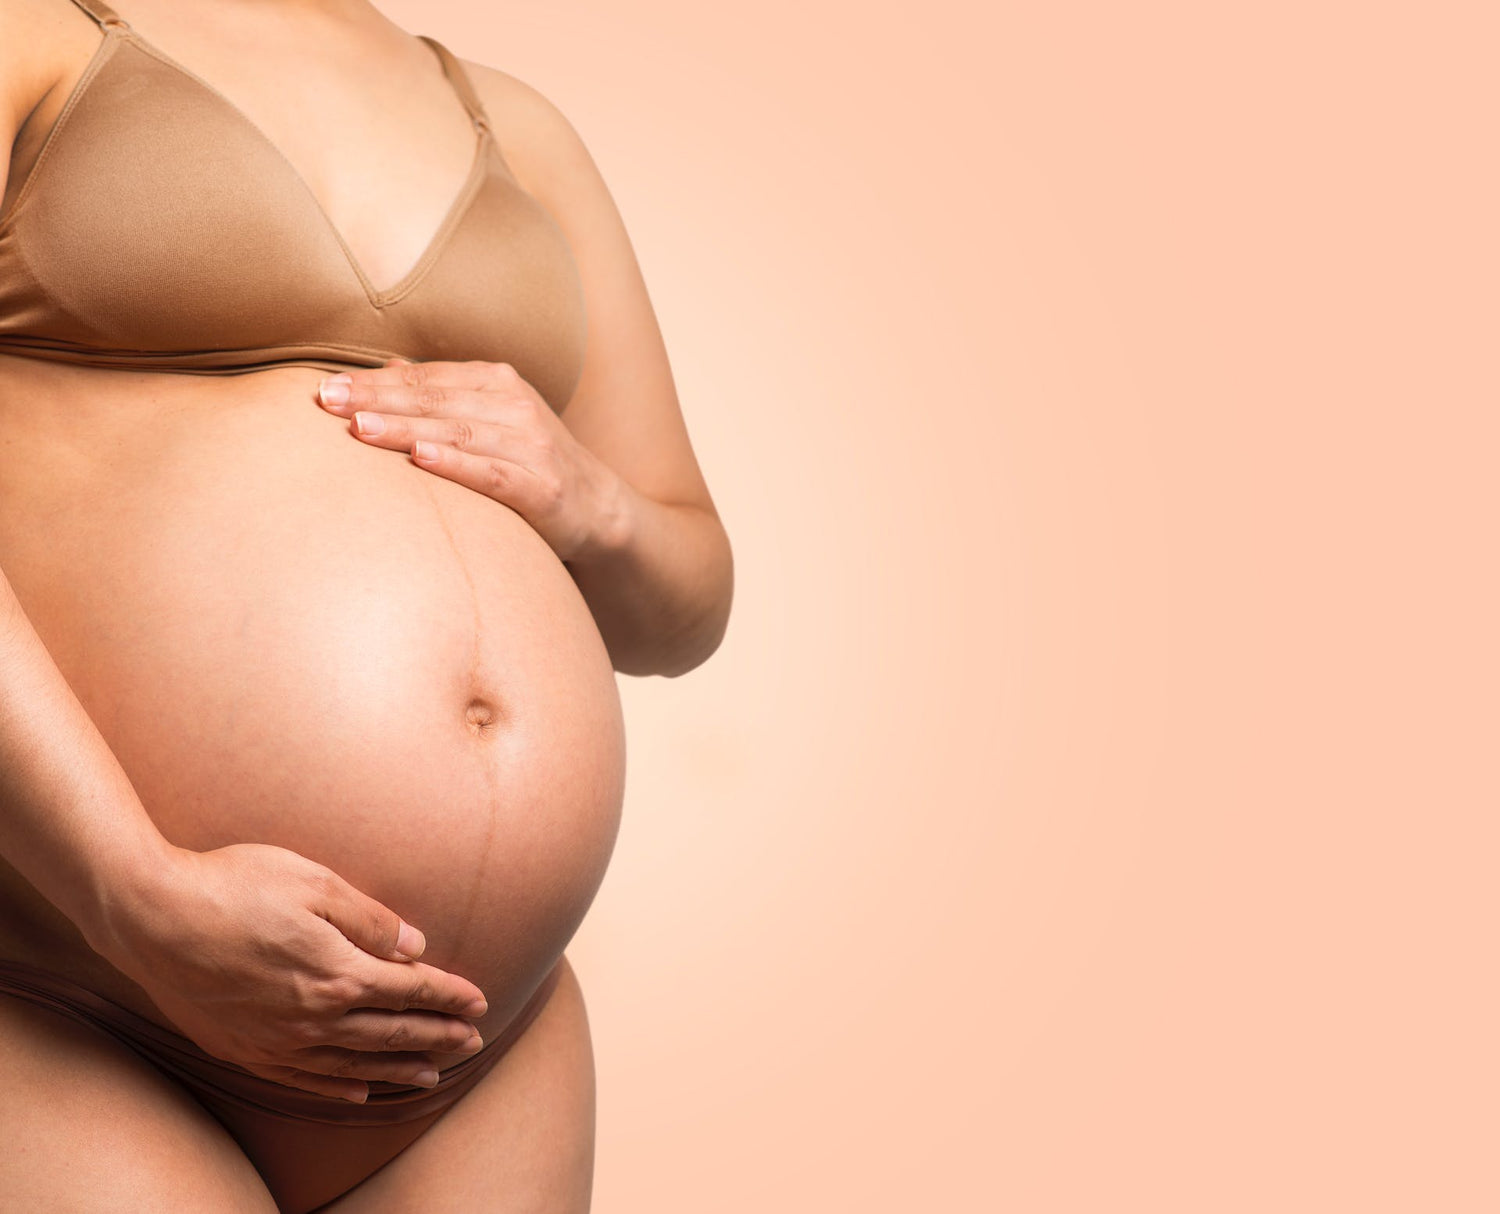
[(659, 581), (70, 821)]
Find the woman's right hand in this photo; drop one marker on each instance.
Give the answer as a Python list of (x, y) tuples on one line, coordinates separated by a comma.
[(267, 959)]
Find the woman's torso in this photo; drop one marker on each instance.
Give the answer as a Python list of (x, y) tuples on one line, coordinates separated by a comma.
[(289, 637)]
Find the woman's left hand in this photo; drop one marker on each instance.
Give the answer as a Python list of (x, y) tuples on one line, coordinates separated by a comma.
[(480, 424)]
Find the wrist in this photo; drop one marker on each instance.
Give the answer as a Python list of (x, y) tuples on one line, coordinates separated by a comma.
[(614, 519), (126, 894)]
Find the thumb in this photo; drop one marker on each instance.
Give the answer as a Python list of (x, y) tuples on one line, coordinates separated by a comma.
[(371, 925)]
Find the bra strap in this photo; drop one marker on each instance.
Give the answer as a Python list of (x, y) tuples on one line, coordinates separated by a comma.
[(103, 14), (457, 77)]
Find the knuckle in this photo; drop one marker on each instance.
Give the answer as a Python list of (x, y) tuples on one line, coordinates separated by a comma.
[(413, 375), (429, 399), (420, 995), (384, 929), (398, 1038), (496, 476), (505, 373), (304, 992), (342, 1066), (461, 435), (550, 487), (340, 993)]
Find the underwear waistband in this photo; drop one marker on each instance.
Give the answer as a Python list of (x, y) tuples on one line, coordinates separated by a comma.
[(214, 1080)]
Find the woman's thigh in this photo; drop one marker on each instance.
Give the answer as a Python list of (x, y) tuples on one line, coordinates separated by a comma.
[(89, 1126), (520, 1142)]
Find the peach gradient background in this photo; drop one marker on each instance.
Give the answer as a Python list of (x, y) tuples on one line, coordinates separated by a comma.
[(1092, 807)]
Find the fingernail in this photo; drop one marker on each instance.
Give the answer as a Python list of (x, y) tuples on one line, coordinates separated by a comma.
[(409, 942), (361, 1098), (369, 423), (334, 391), (473, 1045), (426, 1079), (478, 1008), (426, 451)]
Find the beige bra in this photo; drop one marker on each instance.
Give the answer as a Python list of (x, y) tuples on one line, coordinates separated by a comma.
[(160, 229)]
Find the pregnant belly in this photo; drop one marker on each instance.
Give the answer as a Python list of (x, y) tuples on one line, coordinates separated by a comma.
[(288, 637)]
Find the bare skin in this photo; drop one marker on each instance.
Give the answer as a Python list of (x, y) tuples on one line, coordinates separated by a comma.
[(291, 635), (90, 1126)]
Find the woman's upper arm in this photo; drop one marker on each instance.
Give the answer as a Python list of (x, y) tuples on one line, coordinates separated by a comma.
[(12, 82), (31, 35), (625, 408)]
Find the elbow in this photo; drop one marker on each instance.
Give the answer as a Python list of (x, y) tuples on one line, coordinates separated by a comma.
[(713, 624), (699, 636), (700, 648)]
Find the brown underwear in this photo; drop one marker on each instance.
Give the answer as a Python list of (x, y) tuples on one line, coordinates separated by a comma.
[(308, 1148)]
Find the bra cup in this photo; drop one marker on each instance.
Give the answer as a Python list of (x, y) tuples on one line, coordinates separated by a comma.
[(507, 285), (162, 230), (166, 225)]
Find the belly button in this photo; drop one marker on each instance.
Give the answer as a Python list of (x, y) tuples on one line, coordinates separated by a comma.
[(481, 715)]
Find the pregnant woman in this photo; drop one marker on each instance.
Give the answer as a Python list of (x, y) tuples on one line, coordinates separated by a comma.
[(341, 467)]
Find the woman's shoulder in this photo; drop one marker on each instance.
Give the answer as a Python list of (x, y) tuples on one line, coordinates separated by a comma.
[(542, 147), (40, 41), (34, 38)]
